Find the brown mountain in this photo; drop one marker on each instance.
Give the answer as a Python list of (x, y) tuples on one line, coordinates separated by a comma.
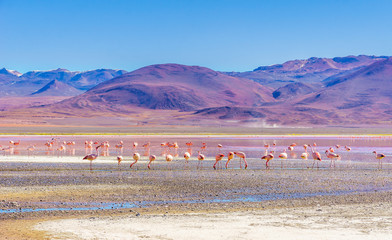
[(171, 87)]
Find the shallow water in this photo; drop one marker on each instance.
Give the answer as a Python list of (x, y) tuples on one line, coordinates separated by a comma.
[(72, 206), (253, 146)]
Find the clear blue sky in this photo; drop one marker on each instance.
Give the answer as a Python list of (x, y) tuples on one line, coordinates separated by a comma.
[(224, 35)]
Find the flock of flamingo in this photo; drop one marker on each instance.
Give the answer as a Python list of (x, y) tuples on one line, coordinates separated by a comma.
[(170, 151)]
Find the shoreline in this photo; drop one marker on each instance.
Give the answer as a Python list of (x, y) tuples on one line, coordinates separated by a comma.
[(363, 216)]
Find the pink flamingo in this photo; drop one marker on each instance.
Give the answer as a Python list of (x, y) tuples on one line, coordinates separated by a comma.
[(151, 158), (15, 143), (332, 156), (136, 157), (60, 150), (316, 157), (218, 158), (242, 155), (92, 157), (119, 147), (229, 157), (200, 157), (282, 156), (187, 155), (119, 159), (220, 147), (169, 159), (268, 157), (379, 156)]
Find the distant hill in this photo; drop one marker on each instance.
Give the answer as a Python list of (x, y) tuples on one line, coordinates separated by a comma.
[(86, 80), (13, 83), (57, 88)]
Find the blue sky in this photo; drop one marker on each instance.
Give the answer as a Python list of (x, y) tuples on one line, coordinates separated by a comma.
[(225, 35)]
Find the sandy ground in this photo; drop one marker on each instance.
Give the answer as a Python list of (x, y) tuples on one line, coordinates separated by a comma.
[(357, 221)]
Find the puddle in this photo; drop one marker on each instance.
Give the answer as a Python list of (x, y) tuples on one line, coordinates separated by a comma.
[(141, 204)]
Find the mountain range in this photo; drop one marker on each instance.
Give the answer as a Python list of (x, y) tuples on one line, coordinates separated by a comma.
[(316, 91), (13, 83)]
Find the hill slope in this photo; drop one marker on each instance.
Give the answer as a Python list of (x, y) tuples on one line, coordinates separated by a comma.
[(57, 88), (172, 87)]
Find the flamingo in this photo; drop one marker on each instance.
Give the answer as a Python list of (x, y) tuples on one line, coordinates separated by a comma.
[(268, 157), (9, 149), (218, 158), (151, 158), (136, 157), (119, 159), (332, 156), (88, 146), (169, 158), (200, 157), (242, 155), (305, 154), (348, 149), (70, 143), (203, 147), (187, 155), (49, 145), (282, 156), (229, 157), (164, 151), (316, 157), (15, 143), (119, 147), (273, 148), (134, 146), (91, 157), (220, 147), (60, 149), (30, 148), (379, 156)]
